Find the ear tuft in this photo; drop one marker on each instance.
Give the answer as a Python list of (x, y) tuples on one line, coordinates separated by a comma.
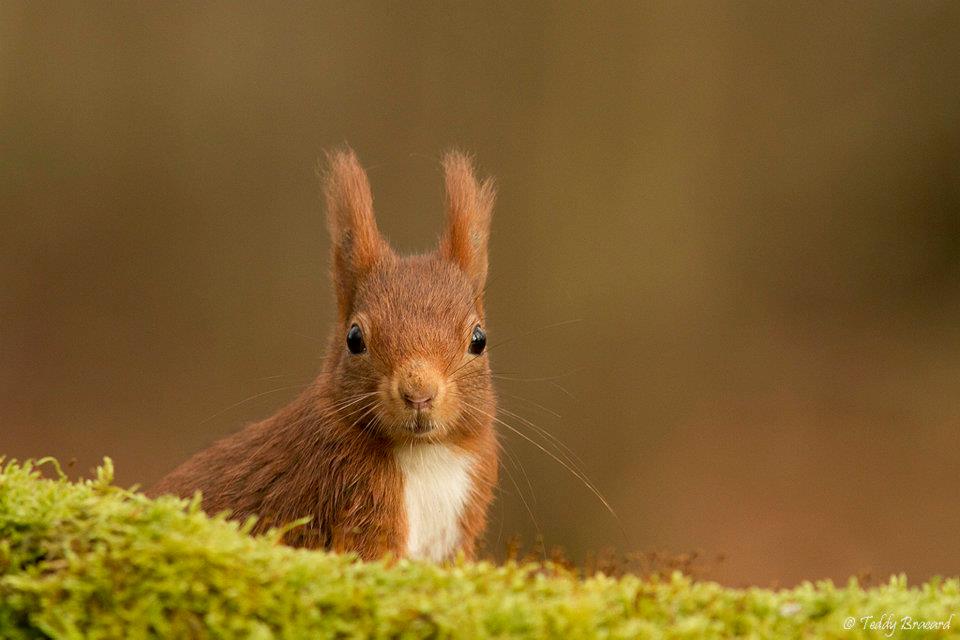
[(469, 209), (357, 243)]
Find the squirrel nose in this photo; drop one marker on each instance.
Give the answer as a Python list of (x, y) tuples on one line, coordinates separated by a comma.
[(418, 384), (418, 400)]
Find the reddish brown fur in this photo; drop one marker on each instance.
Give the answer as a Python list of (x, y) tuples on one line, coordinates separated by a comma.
[(356, 241), (329, 454), (469, 207)]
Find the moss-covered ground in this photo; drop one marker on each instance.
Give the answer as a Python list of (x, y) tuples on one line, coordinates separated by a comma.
[(92, 560)]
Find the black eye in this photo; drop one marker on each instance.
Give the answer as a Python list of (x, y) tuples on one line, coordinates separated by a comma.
[(478, 342), (355, 340)]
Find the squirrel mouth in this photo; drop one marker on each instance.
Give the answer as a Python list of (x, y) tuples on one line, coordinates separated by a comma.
[(420, 424)]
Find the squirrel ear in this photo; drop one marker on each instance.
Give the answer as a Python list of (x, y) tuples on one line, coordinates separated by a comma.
[(357, 243), (469, 208)]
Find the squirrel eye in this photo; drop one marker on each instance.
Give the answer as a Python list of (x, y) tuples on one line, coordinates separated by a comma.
[(478, 342), (355, 340)]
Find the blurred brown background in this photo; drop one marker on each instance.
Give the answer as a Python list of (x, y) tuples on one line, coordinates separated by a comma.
[(750, 210)]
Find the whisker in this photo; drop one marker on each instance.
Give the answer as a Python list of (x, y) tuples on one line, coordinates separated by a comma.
[(527, 400), (523, 500), (538, 429), (517, 463), (469, 361), (283, 375), (522, 335), (343, 406), (555, 325), (252, 398), (579, 475), (549, 380), (349, 400), (565, 392), (565, 374), (370, 408), (571, 455)]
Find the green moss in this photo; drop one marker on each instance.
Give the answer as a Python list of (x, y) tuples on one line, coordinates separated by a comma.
[(91, 560)]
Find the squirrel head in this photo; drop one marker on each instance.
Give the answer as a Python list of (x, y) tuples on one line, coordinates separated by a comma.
[(408, 355)]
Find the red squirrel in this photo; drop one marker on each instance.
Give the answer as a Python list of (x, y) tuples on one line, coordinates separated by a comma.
[(392, 448)]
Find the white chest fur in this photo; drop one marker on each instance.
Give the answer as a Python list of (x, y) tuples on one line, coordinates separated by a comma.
[(436, 485)]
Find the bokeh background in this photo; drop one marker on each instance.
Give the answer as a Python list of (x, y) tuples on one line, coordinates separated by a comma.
[(726, 253)]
